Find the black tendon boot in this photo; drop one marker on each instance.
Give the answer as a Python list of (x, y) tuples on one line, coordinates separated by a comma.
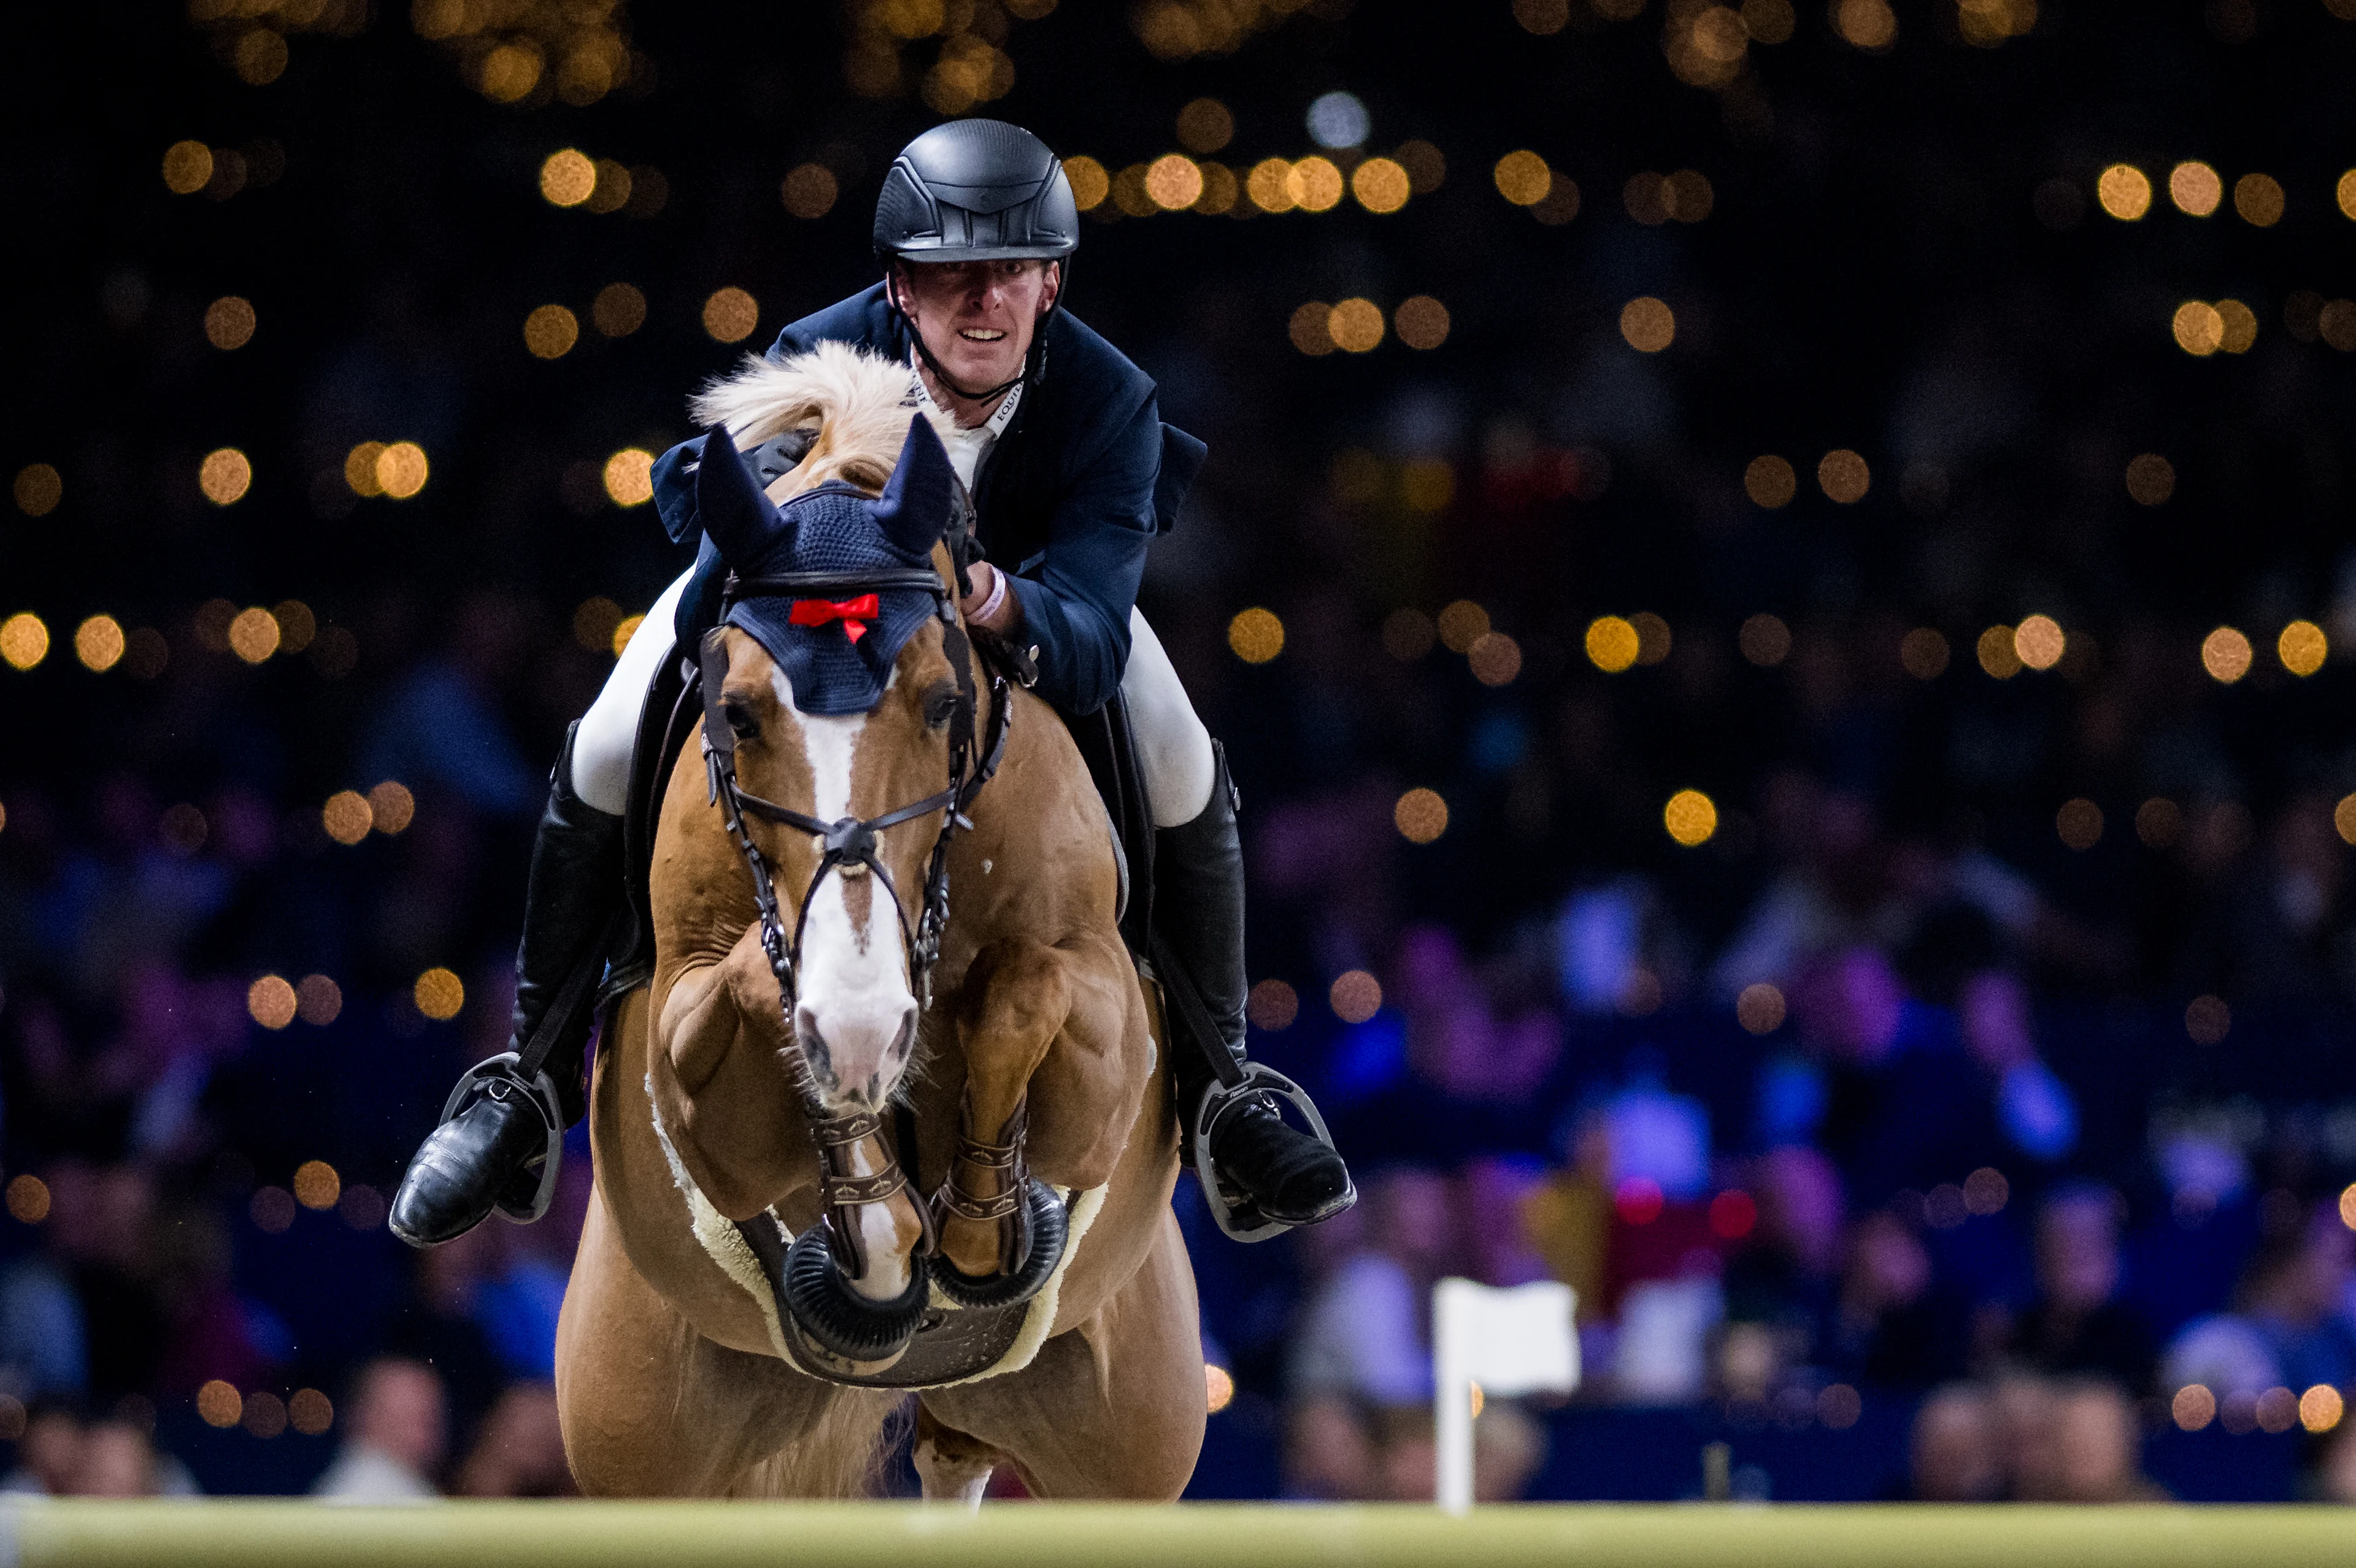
[(504, 1124), (1273, 1175)]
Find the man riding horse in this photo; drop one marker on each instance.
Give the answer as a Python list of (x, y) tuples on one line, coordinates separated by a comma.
[(975, 228)]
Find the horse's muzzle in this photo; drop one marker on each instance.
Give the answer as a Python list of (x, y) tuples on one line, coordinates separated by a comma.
[(856, 1053)]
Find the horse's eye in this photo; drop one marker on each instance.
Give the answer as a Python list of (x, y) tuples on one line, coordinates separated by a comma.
[(941, 705), (740, 721)]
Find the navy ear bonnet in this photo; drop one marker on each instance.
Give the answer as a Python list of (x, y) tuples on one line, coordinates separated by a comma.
[(837, 649)]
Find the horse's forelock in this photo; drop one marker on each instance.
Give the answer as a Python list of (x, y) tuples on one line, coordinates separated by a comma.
[(857, 400)]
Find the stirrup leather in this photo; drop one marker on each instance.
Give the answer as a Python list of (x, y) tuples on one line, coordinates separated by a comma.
[(496, 1076), (1233, 1211)]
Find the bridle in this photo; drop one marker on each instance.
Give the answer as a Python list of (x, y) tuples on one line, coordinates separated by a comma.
[(845, 844)]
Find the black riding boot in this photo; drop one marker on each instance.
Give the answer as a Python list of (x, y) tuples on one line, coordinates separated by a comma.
[(495, 1144), (1289, 1176)]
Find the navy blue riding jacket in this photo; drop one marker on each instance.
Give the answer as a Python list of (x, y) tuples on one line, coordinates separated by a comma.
[(1069, 496)]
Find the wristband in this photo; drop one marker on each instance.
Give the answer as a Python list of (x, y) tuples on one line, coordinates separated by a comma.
[(997, 600)]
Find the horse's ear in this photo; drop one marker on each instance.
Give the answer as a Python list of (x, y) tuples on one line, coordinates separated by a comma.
[(729, 503), (914, 506)]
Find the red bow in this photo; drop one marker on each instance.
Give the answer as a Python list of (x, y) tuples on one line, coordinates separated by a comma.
[(854, 614)]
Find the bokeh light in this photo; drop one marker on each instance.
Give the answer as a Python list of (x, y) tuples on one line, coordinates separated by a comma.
[(360, 468), (219, 1404), (2226, 655), (2208, 1020), (391, 807), (624, 630), (2259, 200), (1844, 475), (1462, 623), (1612, 643), (230, 322), (1174, 182), (2038, 642), (310, 1412), (2193, 1408), (1691, 817), (318, 1000), (1760, 1009), (271, 1002), (1354, 996), (1422, 322), (2302, 647), (1312, 328), (1355, 325), (1648, 325), (550, 331), (2151, 479), (317, 1185), (24, 640), (629, 476), (1770, 482), (99, 643), (2124, 192), (1421, 815), (188, 167), (2199, 329), (1270, 185), (1314, 184), (1494, 659), (225, 475), (1256, 635), (619, 309), (809, 190), (1523, 178), (38, 489), (402, 469), (2080, 824), (348, 816), (2196, 189), (1204, 125), (2321, 1408), (1766, 640), (1998, 655), (439, 995), (1409, 635), (1271, 1006), (2159, 822), (1924, 654), (567, 177), (1380, 185), (1090, 184), (29, 1199), (253, 635), (730, 316), (1218, 1387)]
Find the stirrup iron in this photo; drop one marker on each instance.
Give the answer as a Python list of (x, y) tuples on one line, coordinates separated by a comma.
[(1233, 1212), (498, 1076)]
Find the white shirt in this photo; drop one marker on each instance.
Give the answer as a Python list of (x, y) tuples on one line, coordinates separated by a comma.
[(966, 447)]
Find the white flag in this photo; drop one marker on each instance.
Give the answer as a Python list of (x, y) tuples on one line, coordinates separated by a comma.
[(1513, 1342)]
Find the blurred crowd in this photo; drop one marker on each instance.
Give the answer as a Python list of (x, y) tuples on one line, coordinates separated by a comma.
[(1675, 868)]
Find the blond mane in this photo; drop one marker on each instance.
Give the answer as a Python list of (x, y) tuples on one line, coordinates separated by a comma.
[(857, 401)]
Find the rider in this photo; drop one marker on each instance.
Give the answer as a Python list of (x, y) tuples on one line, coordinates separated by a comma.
[(1060, 441)]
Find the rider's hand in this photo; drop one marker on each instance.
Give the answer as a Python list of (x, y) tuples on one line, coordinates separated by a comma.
[(987, 579)]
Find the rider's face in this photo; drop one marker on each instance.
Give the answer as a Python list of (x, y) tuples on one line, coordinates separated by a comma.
[(978, 317)]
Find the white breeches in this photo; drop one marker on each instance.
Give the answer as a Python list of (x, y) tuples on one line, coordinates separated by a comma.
[(1173, 750)]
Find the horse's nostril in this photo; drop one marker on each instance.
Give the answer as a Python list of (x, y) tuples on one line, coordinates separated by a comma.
[(905, 1041), (813, 1043)]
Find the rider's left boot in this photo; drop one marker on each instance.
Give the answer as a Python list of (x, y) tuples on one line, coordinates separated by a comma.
[(1288, 1175)]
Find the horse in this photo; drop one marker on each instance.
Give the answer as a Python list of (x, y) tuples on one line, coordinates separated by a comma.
[(758, 1289)]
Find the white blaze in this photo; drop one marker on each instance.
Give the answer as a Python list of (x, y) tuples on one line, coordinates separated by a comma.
[(854, 976)]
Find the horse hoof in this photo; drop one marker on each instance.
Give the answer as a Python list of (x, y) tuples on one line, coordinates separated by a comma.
[(1050, 1228), (838, 1318)]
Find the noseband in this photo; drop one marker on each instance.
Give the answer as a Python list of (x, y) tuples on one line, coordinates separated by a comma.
[(850, 842)]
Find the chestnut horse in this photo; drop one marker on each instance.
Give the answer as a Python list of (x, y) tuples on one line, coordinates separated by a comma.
[(759, 1288)]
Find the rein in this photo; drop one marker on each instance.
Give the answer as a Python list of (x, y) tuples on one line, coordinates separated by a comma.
[(845, 844)]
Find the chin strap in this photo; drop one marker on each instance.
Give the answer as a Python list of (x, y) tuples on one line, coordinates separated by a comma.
[(924, 351)]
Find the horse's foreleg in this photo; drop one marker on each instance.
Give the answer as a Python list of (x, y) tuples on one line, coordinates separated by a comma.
[(953, 1466), (1021, 1003)]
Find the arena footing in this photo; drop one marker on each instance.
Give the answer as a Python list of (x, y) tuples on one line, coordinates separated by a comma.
[(263, 1534)]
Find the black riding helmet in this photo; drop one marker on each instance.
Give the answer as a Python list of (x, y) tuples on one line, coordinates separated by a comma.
[(977, 191)]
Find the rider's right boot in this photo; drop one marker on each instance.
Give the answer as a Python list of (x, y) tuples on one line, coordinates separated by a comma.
[(494, 1140)]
